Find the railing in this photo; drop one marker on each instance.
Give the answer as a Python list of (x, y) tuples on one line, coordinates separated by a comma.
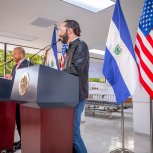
[(104, 104)]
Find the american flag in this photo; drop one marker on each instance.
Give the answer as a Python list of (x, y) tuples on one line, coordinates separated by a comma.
[(63, 56), (144, 47)]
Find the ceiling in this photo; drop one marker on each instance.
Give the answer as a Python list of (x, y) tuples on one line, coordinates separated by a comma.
[(16, 17)]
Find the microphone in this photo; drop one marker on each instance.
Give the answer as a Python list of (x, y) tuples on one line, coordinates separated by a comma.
[(6, 62), (50, 46), (55, 26)]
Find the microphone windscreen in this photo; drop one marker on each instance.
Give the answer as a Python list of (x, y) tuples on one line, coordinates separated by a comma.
[(59, 39)]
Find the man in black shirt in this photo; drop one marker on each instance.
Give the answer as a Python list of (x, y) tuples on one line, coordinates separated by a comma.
[(76, 63)]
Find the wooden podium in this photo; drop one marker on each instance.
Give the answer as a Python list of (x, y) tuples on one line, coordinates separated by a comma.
[(48, 98), (7, 115)]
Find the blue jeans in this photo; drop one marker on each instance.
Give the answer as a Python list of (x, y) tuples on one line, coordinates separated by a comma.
[(78, 144)]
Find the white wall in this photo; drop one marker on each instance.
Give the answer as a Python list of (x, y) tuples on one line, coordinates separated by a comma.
[(141, 112)]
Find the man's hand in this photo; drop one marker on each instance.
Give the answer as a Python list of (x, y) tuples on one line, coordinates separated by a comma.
[(8, 76)]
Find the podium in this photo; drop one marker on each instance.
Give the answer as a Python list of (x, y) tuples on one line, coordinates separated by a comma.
[(7, 115), (48, 98)]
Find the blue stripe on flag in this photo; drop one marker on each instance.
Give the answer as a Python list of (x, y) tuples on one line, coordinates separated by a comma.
[(119, 21), (54, 44), (114, 77), (120, 67)]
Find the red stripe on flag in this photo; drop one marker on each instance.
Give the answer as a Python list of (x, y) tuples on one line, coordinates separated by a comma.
[(61, 62), (137, 51), (144, 66), (144, 84), (147, 88), (150, 40), (144, 49)]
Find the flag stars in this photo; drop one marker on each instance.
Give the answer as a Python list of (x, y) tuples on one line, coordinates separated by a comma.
[(147, 14)]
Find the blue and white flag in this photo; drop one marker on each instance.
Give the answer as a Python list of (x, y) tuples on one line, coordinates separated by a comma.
[(51, 57), (120, 68)]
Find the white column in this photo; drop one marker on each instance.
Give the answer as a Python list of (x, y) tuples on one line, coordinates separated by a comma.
[(141, 112)]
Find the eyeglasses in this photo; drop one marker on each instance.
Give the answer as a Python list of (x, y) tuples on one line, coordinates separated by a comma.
[(62, 29)]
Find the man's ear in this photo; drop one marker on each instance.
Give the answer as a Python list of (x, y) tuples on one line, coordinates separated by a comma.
[(70, 30), (21, 55)]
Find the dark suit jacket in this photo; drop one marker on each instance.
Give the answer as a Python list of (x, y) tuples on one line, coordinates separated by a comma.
[(77, 63), (24, 63)]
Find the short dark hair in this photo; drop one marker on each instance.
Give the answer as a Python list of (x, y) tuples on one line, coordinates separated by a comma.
[(21, 50), (74, 25)]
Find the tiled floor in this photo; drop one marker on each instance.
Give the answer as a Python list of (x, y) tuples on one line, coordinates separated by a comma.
[(102, 135)]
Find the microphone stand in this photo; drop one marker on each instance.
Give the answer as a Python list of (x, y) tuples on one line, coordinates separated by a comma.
[(46, 55), (5, 64), (50, 46)]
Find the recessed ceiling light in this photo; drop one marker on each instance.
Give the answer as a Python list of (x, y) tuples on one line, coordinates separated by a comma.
[(92, 5), (43, 22), (95, 51)]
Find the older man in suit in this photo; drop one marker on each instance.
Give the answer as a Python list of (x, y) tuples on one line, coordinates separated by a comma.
[(21, 62)]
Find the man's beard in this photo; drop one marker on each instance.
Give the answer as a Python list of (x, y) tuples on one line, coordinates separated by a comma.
[(65, 38)]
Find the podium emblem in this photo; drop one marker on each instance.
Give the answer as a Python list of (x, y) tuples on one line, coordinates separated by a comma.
[(24, 84)]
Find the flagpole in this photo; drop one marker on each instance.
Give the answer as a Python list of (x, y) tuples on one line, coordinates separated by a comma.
[(151, 126), (122, 127), (45, 56), (122, 150)]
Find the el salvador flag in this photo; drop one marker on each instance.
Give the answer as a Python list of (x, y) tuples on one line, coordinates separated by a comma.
[(120, 68), (51, 59)]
